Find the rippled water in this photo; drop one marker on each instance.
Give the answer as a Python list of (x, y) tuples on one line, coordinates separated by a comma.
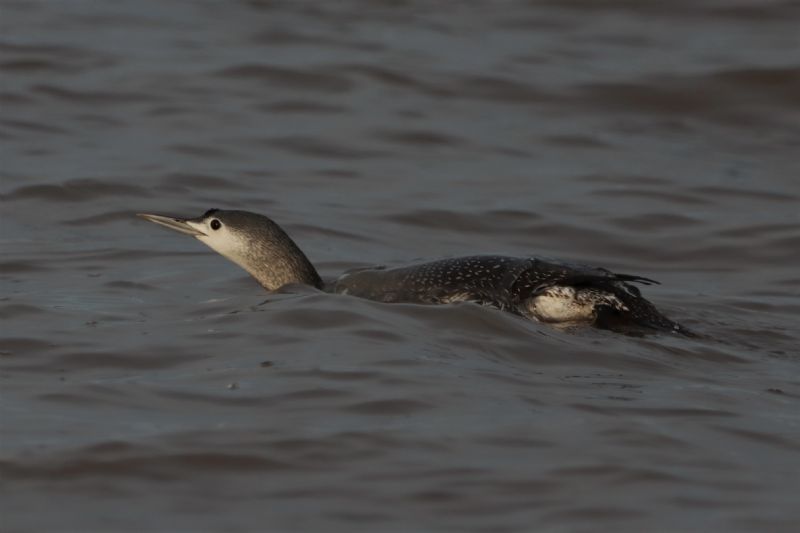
[(148, 384)]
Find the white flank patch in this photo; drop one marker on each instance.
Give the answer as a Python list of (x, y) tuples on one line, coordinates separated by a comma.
[(565, 304)]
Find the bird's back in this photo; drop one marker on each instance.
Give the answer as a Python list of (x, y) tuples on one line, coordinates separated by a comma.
[(540, 289)]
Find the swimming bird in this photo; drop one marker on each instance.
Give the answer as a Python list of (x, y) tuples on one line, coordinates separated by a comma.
[(543, 290)]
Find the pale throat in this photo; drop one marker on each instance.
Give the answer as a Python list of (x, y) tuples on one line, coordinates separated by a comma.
[(270, 265)]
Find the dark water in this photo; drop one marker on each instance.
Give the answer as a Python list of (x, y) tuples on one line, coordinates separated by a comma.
[(148, 385)]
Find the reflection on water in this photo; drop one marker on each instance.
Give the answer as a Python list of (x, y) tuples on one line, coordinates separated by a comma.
[(141, 371)]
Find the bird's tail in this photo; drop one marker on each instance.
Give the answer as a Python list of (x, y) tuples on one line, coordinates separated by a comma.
[(638, 311)]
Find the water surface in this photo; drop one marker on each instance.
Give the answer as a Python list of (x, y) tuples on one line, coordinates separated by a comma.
[(148, 384)]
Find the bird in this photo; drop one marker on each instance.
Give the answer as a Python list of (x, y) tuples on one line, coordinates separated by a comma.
[(542, 290)]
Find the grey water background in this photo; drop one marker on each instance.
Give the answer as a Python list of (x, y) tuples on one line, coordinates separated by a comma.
[(148, 384)]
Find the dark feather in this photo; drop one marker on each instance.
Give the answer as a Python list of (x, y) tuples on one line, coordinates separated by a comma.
[(504, 282)]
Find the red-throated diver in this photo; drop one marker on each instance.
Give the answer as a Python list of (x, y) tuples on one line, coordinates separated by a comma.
[(542, 290)]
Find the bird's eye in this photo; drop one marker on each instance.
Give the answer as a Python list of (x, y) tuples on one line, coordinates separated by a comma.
[(216, 224)]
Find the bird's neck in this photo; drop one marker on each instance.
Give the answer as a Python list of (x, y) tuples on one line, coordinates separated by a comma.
[(276, 266)]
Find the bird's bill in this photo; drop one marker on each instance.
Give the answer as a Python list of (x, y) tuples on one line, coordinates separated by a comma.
[(178, 224)]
